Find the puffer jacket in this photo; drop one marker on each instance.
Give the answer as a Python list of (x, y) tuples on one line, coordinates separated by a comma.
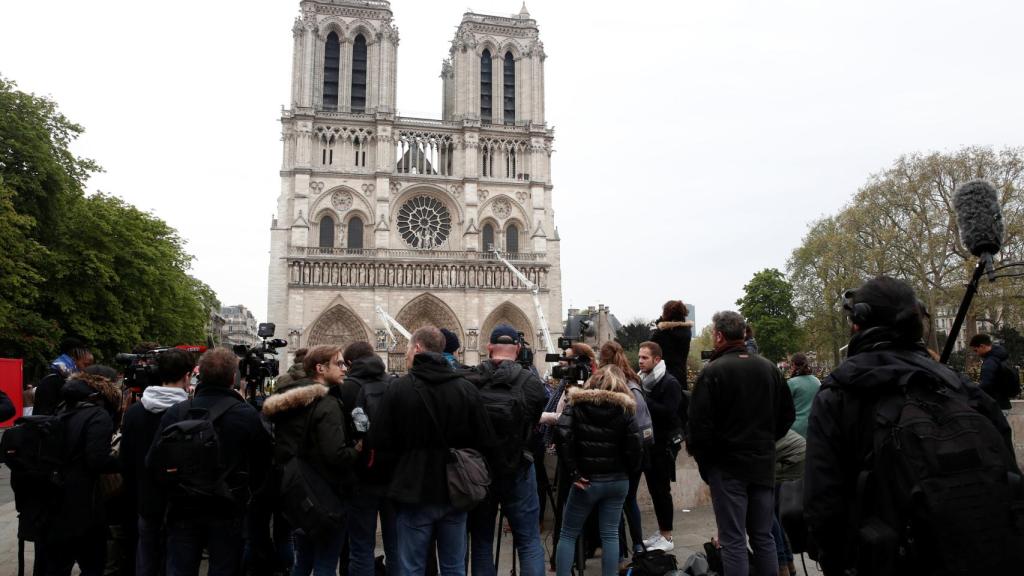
[(598, 435), (325, 447), (991, 367), (674, 339)]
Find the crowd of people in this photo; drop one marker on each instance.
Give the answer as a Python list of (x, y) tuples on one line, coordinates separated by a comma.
[(905, 467)]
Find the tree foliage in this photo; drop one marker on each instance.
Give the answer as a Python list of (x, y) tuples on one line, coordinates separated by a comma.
[(767, 305), (902, 224), (90, 266)]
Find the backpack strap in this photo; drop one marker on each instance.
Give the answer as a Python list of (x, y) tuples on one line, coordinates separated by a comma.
[(213, 413)]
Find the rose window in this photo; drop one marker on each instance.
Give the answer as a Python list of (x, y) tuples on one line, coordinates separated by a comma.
[(424, 222)]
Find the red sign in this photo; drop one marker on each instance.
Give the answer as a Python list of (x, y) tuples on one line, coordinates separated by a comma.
[(10, 383)]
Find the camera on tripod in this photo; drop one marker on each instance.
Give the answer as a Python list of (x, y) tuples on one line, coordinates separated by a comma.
[(525, 356), (140, 369), (576, 368), (259, 362)]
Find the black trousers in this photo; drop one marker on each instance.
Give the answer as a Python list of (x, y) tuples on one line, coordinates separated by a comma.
[(660, 473)]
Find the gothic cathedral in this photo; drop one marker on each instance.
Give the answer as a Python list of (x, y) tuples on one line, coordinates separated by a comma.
[(378, 209)]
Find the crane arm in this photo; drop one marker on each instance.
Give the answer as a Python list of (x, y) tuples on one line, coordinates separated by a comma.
[(390, 324), (535, 292)]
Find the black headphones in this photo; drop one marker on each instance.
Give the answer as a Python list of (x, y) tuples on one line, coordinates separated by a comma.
[(859, 312)]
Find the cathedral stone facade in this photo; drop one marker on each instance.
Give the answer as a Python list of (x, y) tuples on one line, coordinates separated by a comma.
[(380, 209)]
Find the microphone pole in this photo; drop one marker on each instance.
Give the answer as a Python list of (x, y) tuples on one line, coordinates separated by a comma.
[(985, 262)]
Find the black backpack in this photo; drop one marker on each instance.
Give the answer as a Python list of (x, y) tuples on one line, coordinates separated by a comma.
[(653, 563), (1009, 379), (938, 492), (187, 457), (34, 449), (505, 403)]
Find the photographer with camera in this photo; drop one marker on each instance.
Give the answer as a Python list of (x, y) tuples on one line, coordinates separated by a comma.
[(514, 399), (139, 428), (211, 453), (663, 395)]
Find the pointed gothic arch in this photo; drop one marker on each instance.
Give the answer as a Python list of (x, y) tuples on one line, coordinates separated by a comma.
[(505, 313), (338, 325), (427, 309)]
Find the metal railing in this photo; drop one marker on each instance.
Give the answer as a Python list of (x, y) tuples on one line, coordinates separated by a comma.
[(410, 254)]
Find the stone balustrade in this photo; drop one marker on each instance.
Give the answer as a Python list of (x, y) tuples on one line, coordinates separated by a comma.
[(444, 270)]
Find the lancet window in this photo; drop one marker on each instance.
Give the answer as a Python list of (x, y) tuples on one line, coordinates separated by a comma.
[(332, 61), (359, 74), (327, 232), (485, 87), (509, 88)]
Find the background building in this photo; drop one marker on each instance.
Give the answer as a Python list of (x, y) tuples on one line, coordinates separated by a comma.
[(239, 326), (380, 209), (598, 325)]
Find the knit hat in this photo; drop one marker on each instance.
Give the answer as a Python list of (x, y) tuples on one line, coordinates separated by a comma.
[(451, 341)]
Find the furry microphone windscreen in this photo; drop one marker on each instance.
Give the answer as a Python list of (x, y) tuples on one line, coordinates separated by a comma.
[(979, 216)]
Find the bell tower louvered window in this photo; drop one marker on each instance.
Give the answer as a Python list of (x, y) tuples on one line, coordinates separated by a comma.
[(327, 232), (485, 87), (359, 75), (332, 61), (509, 89)]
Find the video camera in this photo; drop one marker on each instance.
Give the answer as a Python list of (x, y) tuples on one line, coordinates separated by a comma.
[(578, 368), (140, 370), (259, 362), (525, 356)]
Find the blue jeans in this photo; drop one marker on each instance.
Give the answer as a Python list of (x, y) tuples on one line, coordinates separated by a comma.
[(414, 527), (521, 505), (318, 555), (149, 549), (187, 538), (743, 508), (362, 533), (608, 497)]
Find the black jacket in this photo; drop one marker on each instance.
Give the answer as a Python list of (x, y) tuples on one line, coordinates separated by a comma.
[(138, 429), (837, 447), (408, 441), (741, 406), (90, 408), (674, 339), (367, 377), (990, 372), (511, 454), (598, 436), (7, 410), (325, 446), (245, 445), (663, 401)]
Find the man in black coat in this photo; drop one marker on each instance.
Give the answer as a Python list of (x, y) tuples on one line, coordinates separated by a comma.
[(992, 374), (245, 446), (423, 414), (140, 426), (740, 407), (364, 387), (886, 345), (514, 398), (663, 394)]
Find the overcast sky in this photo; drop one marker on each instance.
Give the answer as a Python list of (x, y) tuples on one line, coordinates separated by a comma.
[(694, 140)]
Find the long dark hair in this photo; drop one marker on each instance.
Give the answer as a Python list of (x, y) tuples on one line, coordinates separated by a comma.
[(801, 366)]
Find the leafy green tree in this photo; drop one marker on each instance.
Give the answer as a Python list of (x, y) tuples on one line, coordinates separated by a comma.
[(90, 266), (632, 334), (767, 304)]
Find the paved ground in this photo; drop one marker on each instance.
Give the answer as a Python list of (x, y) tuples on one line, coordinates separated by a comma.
[(693, 528)]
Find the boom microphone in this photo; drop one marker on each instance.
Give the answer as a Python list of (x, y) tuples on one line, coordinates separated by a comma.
[(979, 217)]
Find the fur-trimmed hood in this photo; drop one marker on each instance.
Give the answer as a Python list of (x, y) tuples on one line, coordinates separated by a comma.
[(671, 325), (82, 386), (293, 399), (602, 397)]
